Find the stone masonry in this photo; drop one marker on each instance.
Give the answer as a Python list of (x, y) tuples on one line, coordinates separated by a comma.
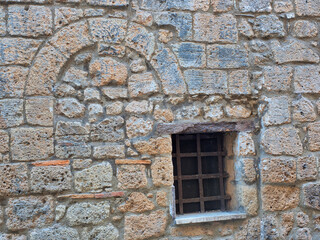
[(85, 85)]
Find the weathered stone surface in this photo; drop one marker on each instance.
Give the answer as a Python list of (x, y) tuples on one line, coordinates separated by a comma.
[(245, 29), (39, 111), (206, 81), (114, 108), (303, 110), (87, 213), (140, 85), (11, 113), (293, 51), (143, 17), (132, 176), (29, 212), (72, 146), (33, 21), (165, 36), (12, 237), (91, 94), (302, 219), (278, 111), (81, 163), (249, 199), (181, 21), (4, 141), (108, 130), (154, 146), (283, 6), (145, 226), (105, 49), (55, 233), (304, 234), (277, 78), (17, 50), (140, 40), (76, 77), (314, 136), (50, 179), (239, 82), (255, 5), (12, 80), (188, 113), (60, 212), (139, 107), (66, 15), (248, 169), (64, 90), (95, 112), (279, 198), (108, 30), (238, 111), (246, 146), (278, 170), (94, 178), (190, 54), (311, 195), (304, 28), (107, 70), (307, 8), (210, 28), (162, 171), (29, 144), (249, 230), (214, 112), (137, 202), (115, 92), (307, 168), (227, 56), (108, 151), (137, 127), (162, 199), (70, 128), (266, 26), (222, 5), (13, 179), (3, 28), (70, 107), (103, 232), (115, 3), (191, 5), (307, 79), (166, 65), (282, 140)]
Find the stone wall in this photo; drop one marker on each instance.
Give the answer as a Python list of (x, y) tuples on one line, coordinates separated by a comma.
[(85, 85)]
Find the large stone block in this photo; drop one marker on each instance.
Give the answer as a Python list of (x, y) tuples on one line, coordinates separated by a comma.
[(307, 79), (304, 29), (307, 8), (206, 81), (3, 27), (11, 113), (4, 236), (29, 144), (70, 107), (278, 111), (50, 179), (72, 146), (87, 213), (102, 233), (277, 78), (222, 5), (145, 226), (307, 168), (278, 170), (39, 111), (248, 170), (13, 179), (154, 146), (29, 212), (212, 29), (190, 54), (132, 176), (110, 3), (4, 141), (29, 21), (239, 82), (109, 151), (246, 146), (76, 77), (311, 195), (137, 202), (139, 107), (66, 15), (314, 136), (140, 85), (303, 110), (249, 199), (282, 140), (255, 6), (12, 80), (162, 171), (108, 130), (55, 233), (137, 127), (279, 198), (71, 128), (268, 26)]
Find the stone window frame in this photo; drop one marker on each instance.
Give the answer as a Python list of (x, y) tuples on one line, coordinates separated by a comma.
[(199, 127)]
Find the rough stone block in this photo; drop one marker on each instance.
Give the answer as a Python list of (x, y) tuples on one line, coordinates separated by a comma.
[(137, 127), (76, 77), (111, 3), (307, 8), (248, 169), (114, 108), (108, 130), (304, 29), (65, 15), (277, 78), (50, 179), (162, 199), (314, 136), (17, 50), (55, 232), (4, 141), (303, 110), (282, 140), (307, 79), (249, 199), (115, 92), (255, 6), (70, 107), (222, 5), (87, 213), (279, 198), (94, 178), (140, 85), (145, 226), (162, 171), (29, 21), (245, 28), (143, 17), (278, 111), (214, 112), (3, 28), (71, 128), (238, 111), (29, 212), (139, 107), (105, 49), (11, 113), (109, 151), (154, 146), (239, 82), (29, 144), (246, 146), (4, 236), (212, 29), (227, 56), (307, 168), (102, 233), (190, 54), (132, 176), (72, 146), (165, 63), (206, 81), (283, 6), (39, 111), (81, 163), (137, 202), (12, 80), (13, 179), (278, 170), (311, 195), (191, 5), (266, 26), (108, 30)]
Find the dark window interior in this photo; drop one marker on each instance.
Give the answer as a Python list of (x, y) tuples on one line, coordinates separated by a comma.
[(199, 176)]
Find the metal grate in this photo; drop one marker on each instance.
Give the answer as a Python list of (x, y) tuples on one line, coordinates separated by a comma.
[(199, 176)]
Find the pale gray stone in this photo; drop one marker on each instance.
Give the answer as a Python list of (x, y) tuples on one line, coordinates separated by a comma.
[(12, 81), (115, 92), (95, 112), (108, 130), (71, 128), (304, 28), (255, 5), (72, 146), (307, 79), (76, 77), (60, 212), (137, 127), (278, 111), (109, 151), (70, 107), (11, 113), (268, 26), (140, 85), (55, 232), (188, 112), (108, 232), (307, 8), (303, 110)]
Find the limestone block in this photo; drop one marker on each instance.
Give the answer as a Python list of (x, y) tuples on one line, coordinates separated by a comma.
[(87, 213), (50, 179), (95, 112), (255, 5), (71, 128), (32, 21), (91, 94), (278, 170), (222, 5), (115, 3), (246, 146), (108, 130), (4, 141), (144, 226), (115, 92), (140, 85), (13, 179), (277, 78), (138, 65), (17, 50), (39, 111), (162, 199), (136, 127), (103, 232), (11, 113), (304, 233), (111, 50), (162, 171), (94, 178), (60, 212), (114, 108), (307, 168), (282, 140), (239, 82), (29, 144), (65, 90), (66, 15), (163, 115), (91, 12), (72, 146), (314, 136), (12, 237), (279, 198), (278, 111), (154, 146), (191, 5), (210, 28), (302, 219), (245, 29), (132, 176), (214, 112), (283, 6), (238, 111), (303, 110), (139, 107), (307, 79), (248, 169), (29, 212), (55, 232), (304, 29), (165, 36), (76, 77), (307, 8), (109, 151), (137, 202), (190, 54), (311, 195), (81, 163), (249, 199), (143, 17), (3, 28), (188, 113), (268, 26), (70, 107)]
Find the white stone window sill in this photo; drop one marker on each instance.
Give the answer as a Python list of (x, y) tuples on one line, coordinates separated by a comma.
[(208, 217)]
